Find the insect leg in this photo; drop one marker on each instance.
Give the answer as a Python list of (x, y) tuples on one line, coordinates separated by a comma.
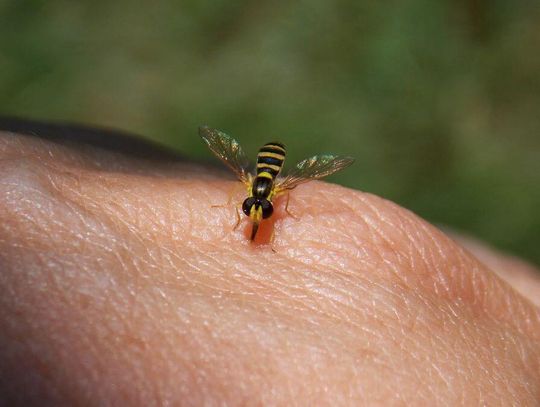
[(287, 207), (272, 241), (238, 218)]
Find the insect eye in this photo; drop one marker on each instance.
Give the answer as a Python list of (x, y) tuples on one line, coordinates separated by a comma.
[(248, 203), (267, 208)]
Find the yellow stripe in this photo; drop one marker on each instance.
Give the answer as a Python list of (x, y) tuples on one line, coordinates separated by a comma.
[(265, 175), (277, 145), (272, 155), (255, 213), (271, 166), (274, 146)]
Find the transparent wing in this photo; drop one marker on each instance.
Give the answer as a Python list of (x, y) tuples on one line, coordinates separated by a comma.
[(315, 167), (227, 150)]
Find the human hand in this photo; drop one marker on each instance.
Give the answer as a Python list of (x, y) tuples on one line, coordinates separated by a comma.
[(122, 285)]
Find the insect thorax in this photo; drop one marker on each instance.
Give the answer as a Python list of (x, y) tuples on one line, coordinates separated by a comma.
[(262, 186)]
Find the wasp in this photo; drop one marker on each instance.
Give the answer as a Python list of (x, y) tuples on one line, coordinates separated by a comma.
[(267, 183)]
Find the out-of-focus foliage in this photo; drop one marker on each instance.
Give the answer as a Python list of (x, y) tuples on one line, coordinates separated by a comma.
[(439, 101)]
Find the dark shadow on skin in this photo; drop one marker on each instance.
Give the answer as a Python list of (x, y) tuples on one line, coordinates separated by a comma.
[(76, 135)]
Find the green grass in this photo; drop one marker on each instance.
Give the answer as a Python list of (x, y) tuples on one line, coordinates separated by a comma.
[(438, 101)]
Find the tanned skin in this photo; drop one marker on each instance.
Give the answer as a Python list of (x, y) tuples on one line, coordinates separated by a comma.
[(122, 284)]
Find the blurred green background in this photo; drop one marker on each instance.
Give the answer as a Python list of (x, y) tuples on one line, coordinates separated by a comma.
[(439, 101)]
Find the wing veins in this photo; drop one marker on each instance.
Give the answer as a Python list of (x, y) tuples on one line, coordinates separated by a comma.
[(316, 167), (228, 150)]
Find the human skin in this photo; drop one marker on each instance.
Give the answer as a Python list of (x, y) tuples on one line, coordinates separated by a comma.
[(121, 284)]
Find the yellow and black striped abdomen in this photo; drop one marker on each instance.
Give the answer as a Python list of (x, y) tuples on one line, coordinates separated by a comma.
[(270, 160)]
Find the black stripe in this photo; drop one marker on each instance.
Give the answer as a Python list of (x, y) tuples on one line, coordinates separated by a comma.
[(269, 170), (268, 149), (269, 160), (275, 143)]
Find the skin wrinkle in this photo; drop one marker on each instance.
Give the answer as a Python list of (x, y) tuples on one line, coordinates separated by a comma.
[(478, 282), (335, 304), (45, 268), (114, 223), (340, 247), (37, 226), (467, 359), (38, 320), (414, 243), (348, 336)]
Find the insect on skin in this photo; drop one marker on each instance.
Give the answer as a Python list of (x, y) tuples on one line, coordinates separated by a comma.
[(266, 184)]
